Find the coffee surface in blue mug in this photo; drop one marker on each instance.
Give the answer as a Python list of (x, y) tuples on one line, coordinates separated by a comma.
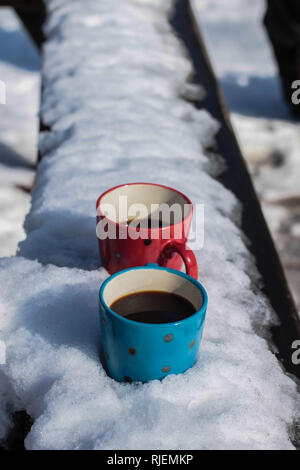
[(153, 307)]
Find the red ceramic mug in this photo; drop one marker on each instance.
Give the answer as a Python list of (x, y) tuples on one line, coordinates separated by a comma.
[(140, 223)]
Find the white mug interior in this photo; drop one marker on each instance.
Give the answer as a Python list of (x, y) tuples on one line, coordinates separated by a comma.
[(147, 279), (143, 200)]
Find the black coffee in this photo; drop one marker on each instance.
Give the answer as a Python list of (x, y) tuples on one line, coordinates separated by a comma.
[(145, 223), (153, 307)]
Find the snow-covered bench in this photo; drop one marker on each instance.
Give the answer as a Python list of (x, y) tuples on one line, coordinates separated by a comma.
[(114, 87)]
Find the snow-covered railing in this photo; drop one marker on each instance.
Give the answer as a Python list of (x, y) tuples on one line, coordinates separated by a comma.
[(114, 100)]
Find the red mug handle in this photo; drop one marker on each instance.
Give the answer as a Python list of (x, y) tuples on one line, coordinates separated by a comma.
[(189, 259)]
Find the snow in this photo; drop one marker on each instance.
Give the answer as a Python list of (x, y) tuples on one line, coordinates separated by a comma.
[(223, 25), (19, 70), (268, 136), (52, 340), (117, 115)]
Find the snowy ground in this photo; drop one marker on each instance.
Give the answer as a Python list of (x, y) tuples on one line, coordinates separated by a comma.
[(117, 114), (19, 70), (269, 138)]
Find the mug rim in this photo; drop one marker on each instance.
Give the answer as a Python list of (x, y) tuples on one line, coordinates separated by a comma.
[(144, 229), (154, 266)]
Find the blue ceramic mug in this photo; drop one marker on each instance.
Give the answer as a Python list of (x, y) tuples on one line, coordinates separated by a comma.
[(139, 352)]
